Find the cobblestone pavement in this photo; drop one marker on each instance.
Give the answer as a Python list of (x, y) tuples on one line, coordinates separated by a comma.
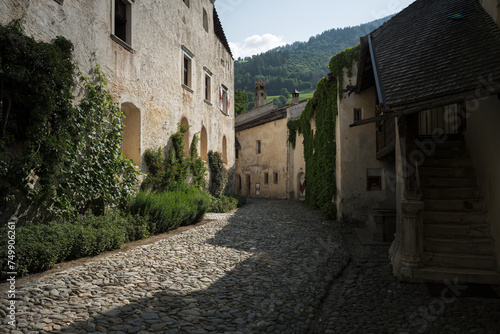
[(264, 268), (270, 267), (367, 298)]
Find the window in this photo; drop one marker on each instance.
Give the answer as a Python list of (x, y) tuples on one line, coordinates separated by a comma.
[(122, 21), (258, 147), (205, 20), (374, 179), (357, 115), (208, 85), (186, 2), (187, 67), (266, 178), (275, 178), (224, 100)]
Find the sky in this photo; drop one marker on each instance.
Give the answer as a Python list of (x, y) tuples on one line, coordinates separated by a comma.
[(255, 26)]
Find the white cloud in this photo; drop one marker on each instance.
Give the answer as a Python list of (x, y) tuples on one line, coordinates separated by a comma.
[(255, 44)]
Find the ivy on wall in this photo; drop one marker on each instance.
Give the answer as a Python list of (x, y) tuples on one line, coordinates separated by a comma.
[(319, 144), (167, 171), (56, 159)]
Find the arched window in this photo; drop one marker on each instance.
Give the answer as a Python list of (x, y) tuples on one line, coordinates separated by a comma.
[(224, 150), (203, 143), (184, 122), (131, 144)]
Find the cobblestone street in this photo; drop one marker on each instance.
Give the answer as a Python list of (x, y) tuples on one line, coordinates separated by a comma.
[(269, 267)]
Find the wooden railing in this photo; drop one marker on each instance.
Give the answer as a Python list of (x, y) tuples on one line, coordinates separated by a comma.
[(386, 137)]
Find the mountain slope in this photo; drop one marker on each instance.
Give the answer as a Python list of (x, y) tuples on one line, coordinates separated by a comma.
[(301, 64)]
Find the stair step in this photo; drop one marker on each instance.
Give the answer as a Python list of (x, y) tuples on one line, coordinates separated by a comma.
[(458, 217), (469, 204), (450, 154), (451, 193), (453, 163), (440, 182), (454, 230), (446, 172), (452, 145), (461, 274), (482, 246), (454, 260)]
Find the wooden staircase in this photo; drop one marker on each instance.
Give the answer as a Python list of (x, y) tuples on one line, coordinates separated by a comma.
[(457, 240)]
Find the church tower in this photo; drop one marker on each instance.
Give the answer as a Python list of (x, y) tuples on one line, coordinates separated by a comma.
[(260, 94)]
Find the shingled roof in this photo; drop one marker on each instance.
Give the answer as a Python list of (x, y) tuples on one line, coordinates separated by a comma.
[(219, 32), (435, 48)]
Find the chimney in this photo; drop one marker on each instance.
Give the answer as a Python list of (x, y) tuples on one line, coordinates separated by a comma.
[(295, 96), (260, 94)]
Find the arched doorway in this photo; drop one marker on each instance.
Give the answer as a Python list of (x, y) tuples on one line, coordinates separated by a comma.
[(301, 183), (185, 123), (131, 144), (224, 150), (238, 183), (203, 143)]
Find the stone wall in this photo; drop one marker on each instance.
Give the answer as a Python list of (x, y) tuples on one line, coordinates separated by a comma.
[(146, 74)]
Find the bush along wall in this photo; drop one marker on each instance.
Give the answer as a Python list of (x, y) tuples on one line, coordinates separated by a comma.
[(319, 144), (56, 158)]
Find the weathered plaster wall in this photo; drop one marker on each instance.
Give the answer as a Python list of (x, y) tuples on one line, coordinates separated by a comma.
[(150, 77), (482, 137), (492, 7), (356, 153), (273, 137)]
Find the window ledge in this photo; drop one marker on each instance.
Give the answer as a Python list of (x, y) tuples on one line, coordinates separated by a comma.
[(223, 113), (187, 88), (121, 43), (208, 102)]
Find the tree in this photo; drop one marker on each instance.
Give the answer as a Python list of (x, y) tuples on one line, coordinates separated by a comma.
[(240, 102), (285, 92)]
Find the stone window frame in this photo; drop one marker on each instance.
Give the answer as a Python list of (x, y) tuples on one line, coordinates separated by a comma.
[(187, 69), (126, 42), (207, 84)]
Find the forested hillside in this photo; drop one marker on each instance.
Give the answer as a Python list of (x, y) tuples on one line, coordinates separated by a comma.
[(299, 65)]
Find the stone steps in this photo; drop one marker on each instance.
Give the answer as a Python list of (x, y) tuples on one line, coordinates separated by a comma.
[(455, 230), (457, 260), (463, 275), (460, 204), (456, 217), (457, 239), (461, 245)]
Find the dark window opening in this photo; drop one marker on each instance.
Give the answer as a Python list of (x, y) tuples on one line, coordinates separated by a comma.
[(275, 178), (121, 20), (186, 2), (258, 147), (374, 183), (187, 71), (266, 178), (357, 115)]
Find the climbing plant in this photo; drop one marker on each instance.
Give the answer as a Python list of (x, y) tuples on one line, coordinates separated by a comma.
[(319, 143), (168, 171), (218, 174), (55, 157)]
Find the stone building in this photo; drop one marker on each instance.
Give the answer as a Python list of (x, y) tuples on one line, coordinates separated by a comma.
[(267, 165), (166, 62), (425, 115)]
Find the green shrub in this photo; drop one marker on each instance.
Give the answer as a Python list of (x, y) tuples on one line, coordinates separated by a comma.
[(40, 247), (168, 210), (223, 204)]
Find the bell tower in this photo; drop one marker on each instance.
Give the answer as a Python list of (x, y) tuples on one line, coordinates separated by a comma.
[(260, 94)]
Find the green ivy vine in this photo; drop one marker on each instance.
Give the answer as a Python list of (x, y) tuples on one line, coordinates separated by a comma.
[(167, 171), (319, 145), (56, 158)]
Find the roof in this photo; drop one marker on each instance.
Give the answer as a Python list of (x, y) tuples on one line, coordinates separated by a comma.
[(219, 32), (432, 49)]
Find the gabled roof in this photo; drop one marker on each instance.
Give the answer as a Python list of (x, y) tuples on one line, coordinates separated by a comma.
[(433, 49), (219, 32)]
